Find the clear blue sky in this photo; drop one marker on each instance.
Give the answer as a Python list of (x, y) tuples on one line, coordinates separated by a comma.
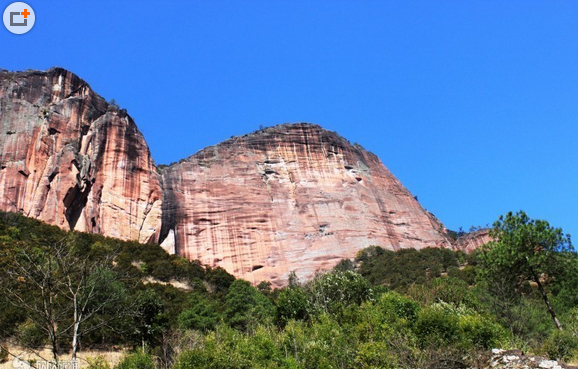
[(473, 105)]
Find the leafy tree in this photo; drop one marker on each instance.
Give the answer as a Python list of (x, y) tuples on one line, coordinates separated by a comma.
[(62, 283), (333, 292), (202, 313), (522, 249), (149, 320), (245, 305), (292, 303)]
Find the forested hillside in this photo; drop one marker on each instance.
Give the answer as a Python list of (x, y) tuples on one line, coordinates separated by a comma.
[(432, 308)]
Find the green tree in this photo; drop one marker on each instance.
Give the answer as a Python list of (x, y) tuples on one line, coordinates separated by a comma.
[(245, 305), (522, 249), (149, 320), (202, 313), (64, 284)]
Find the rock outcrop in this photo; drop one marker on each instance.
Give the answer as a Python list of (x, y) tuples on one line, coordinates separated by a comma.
[(293, 197), (515, 359), (70, 159), (473, 240)]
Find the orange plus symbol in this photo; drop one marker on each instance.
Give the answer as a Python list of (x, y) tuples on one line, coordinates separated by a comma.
[(25, 13)]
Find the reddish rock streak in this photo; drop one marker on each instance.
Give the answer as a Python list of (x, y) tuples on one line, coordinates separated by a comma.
[(70, 159), (293, 197)]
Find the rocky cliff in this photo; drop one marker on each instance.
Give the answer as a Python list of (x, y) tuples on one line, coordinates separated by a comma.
[(473, 240), (70, 159), (293, 197)]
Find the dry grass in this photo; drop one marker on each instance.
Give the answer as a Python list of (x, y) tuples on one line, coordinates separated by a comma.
[(111, 357)]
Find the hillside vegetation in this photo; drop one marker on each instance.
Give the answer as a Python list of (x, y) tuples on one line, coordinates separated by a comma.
[(432, 308)]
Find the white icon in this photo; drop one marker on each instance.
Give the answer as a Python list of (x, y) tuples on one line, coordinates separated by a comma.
[(19, 18)]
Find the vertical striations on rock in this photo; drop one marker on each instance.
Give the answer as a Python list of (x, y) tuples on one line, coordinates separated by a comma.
[(293, 197), (70, 159)]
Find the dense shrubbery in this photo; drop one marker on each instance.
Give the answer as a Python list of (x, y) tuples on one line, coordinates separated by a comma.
[(404, 309)]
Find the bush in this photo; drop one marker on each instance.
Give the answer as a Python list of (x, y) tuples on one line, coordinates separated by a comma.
[(435, 327), (97, 363), (333, 292), (137, 360), (292, 303), (561, 345), (374, 355), (398, 306), (480, 332), (30, 335)]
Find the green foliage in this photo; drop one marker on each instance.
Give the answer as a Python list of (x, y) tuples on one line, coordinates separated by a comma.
[(116, 273), (30, 335), (561, 345), (245, 306), (149, 320), (219, 279), (435, 327), (396, 306), (292, 303), (136, 360), (98, 362), (444, 289), (426, 308), (333, 292), (400, 269), (202, 313), (374, 354), (523, 250), (480, 332), (345, 265)]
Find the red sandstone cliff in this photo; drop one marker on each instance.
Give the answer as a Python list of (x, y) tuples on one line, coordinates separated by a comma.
[(70, 159), (293, 197), (473, 240)]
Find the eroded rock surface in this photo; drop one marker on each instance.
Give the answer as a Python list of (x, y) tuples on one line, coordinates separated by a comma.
[(70, 159), (288, 198), (292, 197), (473, 240)]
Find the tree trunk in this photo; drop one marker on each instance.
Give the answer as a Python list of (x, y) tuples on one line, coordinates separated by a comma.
[(545, 297), (77, 318)]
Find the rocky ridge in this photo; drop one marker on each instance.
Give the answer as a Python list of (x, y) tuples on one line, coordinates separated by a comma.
[(293, 197)]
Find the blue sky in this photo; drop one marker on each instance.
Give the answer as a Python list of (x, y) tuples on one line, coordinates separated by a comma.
[(473, 105)]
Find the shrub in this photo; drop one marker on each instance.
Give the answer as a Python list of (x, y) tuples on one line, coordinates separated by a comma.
[(333, 292), (561, 345), (292, 303), (374, 355), (435, 327), (136, 360), (398, 306), (480, 332), (30, 334), (97, 363)]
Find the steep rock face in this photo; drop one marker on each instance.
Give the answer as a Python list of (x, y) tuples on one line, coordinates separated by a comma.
[(288, 198), (70, 159), (473, 240)]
